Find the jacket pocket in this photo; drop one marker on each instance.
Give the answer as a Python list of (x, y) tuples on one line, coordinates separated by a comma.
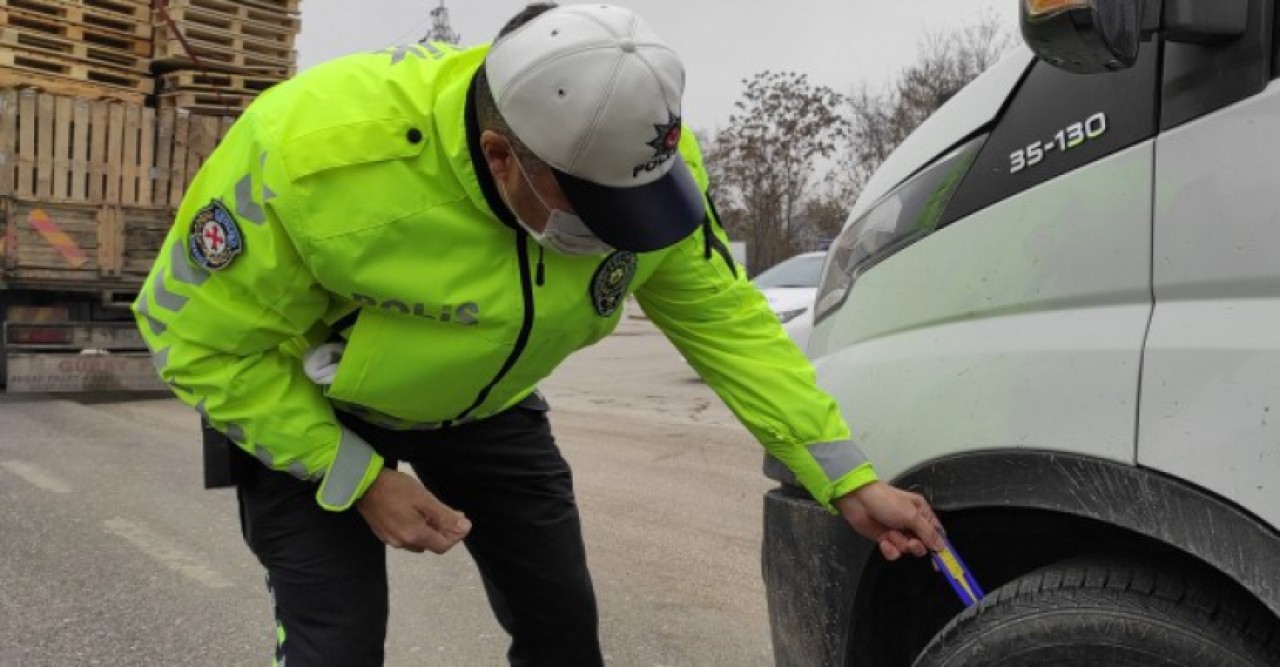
[(352, 144), (360, 343)]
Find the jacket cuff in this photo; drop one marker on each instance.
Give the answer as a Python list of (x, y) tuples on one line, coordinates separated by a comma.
[(837, 459), (856, 479), (844, 467), (353, 470)]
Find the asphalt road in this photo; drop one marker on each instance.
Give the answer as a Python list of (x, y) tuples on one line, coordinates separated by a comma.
[(112, 554)]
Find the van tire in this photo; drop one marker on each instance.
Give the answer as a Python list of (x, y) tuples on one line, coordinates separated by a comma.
[(1106, 612)]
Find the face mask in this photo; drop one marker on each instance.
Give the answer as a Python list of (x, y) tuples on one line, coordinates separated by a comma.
[(565, 233)]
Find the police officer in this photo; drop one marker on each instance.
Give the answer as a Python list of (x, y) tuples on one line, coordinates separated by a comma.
[(389, 252)]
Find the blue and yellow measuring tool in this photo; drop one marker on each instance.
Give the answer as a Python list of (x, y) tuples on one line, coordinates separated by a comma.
[(951, 567)]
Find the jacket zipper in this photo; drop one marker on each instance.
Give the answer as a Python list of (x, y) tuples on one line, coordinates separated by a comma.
[(712, 242), (526, 327)]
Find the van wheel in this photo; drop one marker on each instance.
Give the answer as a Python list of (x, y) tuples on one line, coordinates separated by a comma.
[(1100, 612)]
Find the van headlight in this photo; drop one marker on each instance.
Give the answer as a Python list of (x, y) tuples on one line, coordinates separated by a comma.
[(907, 214)]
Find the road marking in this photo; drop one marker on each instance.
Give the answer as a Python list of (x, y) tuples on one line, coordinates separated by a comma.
[(36, 476), (168, 555)]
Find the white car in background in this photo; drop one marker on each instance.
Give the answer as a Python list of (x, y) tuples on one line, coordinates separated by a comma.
[(790, 287)]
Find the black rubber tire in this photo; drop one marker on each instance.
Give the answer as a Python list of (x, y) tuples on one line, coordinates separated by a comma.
[(1108, 613)]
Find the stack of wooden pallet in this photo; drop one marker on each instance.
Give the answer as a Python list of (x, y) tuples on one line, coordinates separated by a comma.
[(93, 164), (88, 188), (244, 47), (62, 149), (99, 49)]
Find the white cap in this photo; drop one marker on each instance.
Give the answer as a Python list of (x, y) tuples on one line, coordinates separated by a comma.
[(594, 93)]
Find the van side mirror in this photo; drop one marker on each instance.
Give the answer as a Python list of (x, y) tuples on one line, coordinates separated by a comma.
[(1092, 36), (1083, 36)]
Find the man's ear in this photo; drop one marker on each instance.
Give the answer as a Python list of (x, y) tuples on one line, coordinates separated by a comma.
[(497, 153)]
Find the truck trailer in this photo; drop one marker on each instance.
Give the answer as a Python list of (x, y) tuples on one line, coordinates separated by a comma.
[(107, 110)]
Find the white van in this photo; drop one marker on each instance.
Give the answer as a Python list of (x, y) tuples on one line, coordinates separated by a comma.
[(1055, 312)]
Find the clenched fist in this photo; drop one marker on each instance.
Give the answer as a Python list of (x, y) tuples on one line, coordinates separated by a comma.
[(405, 515), (899, 521)]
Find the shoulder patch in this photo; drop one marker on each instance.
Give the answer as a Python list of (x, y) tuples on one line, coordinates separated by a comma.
[(214, 240), (610, 283)]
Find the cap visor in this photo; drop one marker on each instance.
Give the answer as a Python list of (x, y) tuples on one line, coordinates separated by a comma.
[(640, 219)]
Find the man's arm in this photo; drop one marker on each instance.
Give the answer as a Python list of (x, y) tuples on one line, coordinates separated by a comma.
[(725, 329), (228, 289), (723, 326)]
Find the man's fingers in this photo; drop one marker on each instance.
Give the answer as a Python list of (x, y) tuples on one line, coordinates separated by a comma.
[(906, 544), (900, 542), (927, 531), (441, 517), (442, 526), (426, 536), (411, 548), (889, 551), (437, 543), (923, 506), (449, 522), (461, 527), (395, 541), (422, 538)]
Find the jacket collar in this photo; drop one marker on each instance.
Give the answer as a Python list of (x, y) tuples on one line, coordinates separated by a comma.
[(457, 108)]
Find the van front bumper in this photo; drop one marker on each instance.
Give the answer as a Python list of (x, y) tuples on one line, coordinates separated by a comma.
[(813, 562)]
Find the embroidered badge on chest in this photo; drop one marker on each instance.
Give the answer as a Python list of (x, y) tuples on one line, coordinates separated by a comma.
[(609, 285), (215, 239)]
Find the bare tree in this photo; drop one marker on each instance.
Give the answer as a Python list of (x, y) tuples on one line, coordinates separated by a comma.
[(764, 167), (767, 159), (882, 119), (824, 214)]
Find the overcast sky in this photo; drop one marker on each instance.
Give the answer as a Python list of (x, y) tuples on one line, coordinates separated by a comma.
[(839, 43)]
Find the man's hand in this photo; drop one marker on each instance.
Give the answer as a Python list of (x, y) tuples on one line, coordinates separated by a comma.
[(899, 521), (405, 515)]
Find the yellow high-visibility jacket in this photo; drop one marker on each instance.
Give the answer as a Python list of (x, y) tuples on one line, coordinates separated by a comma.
[(356, 186)]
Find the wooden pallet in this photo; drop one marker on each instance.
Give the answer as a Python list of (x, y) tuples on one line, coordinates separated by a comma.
[(73, 243), (138, 11), (74, 150), (189, 81), (57, 66), (214, 11), (265, 11), (287, 6), (78, 22), (172, 54), (168, 44), (28, 43), (279, 33), (21, 79), (202, 103), (44, 27)]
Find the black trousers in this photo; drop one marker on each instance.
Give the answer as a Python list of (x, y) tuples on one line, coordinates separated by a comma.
[(327, 571)]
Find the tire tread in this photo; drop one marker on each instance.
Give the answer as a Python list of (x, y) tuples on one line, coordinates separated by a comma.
[(1169, 594)]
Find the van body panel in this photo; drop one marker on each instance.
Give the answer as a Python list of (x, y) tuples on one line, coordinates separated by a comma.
[(992, 332), (1211, 377)]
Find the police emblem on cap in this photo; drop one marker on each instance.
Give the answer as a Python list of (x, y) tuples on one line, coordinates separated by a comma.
[(609, 285), (664, 145), (214, 240)]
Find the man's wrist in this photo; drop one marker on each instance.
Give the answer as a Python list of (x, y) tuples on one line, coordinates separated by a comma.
[(855, 479)]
